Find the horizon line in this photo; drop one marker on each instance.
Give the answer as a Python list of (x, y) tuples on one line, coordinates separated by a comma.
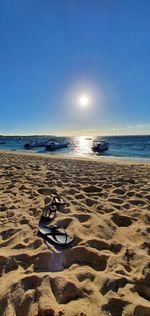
[(85, 135)]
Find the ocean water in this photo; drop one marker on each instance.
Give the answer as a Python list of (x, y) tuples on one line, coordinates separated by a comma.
[(133, 147)]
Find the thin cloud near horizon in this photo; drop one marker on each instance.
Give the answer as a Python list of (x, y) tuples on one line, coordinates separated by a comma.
[(116, 131)]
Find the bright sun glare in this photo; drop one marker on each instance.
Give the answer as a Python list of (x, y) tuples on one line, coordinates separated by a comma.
[(84, 100)]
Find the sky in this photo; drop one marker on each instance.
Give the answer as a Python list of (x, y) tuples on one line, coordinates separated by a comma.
[(52, 53)]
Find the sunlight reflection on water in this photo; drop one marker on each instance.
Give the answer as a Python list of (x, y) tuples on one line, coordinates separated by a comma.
[(83, 146)]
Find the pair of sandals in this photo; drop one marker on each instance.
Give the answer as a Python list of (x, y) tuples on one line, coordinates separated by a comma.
[(55, 235)]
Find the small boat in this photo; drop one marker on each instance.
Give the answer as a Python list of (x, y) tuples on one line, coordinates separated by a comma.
[(2, 142), (55, 145), (99, 146), (33, 145)]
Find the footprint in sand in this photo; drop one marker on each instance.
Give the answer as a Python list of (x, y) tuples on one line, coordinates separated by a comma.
[(30, 282), (71, 192), (23, 260), (82, 217), (11, 265), (114, 285), (121, 220), (116, 200), (137, 202), (85, 276), (147, 197), (83, 256), (142, 286), (141, 310), (146, 246), (80, 196), (64, 290), (102, 245), (98, 244), (89, 202), (3, 208), (6, 234), (64, 222), (118, 191), (92, 189), (45, 191), (115, 306), (7, 264), (3, 261)]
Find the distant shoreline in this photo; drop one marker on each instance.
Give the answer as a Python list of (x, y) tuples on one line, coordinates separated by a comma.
[(49, 135)]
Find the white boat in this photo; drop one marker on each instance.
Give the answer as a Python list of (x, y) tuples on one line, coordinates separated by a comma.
[(100, 146), (33, 145), (56, 145)]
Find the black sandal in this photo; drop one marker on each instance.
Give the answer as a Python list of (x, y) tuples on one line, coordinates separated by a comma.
[(55, 235), (57, 199), (49, 212)]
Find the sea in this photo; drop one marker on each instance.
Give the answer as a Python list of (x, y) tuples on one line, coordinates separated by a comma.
[(124, 147)]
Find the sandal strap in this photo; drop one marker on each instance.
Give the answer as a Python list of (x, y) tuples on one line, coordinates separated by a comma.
[(54, 236), (51, 209), (53, 233), (54, 228), (57, 199)]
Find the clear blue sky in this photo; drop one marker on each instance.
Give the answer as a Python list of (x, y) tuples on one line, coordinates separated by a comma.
[(52, 52)]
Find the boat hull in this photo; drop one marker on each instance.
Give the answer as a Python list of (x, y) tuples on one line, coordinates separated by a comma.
[(96, 149), (52, 147), (29, 146), (2, 143), (100, 146)]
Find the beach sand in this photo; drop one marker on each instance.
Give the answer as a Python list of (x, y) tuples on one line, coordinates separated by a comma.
[(106, 271)]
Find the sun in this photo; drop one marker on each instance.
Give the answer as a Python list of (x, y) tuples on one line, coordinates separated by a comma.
[(84, 100)]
